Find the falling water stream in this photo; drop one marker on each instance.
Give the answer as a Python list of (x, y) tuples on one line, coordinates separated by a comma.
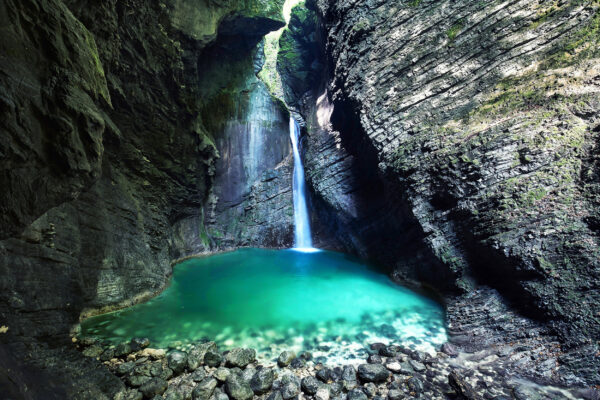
[(302, 236), (330, 304)]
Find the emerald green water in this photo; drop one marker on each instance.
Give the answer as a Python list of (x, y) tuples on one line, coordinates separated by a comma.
[(325, 302)]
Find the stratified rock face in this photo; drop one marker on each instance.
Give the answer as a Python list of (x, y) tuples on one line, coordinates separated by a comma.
[(250, 203), (481, 119), (299, 57), (108, 152)]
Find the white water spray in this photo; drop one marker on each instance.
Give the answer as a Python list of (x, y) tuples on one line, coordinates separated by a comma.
[(303, 240)]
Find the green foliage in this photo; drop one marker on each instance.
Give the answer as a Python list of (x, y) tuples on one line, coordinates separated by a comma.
[(454, 30)]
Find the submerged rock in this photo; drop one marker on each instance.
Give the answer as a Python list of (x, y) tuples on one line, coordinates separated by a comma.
[(449, 349)]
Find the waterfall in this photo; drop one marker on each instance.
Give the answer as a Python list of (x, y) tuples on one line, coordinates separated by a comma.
[(303, 240)]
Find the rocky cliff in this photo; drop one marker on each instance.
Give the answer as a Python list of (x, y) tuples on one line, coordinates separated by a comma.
[(111, 132), (456, 141)]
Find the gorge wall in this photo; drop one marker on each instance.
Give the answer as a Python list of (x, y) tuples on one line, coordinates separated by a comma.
[(119, 122), (453, 142), (456, 142)]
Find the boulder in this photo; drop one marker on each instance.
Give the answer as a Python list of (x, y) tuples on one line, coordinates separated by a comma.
[(417, 366), (138, 344), (373, 373), (221, 374), (107, 354), (154, 387), (374, 359), (370, 389), (237, 388), (213, 358), (356, 394), (262, 381), (177, 361), (239, 357), (123, 349), (124, 368), (198, 375), (204, 389), (323, 392), (309, 385), (197, 353), (276, 395), (289, 386), (285, 358), (349, 377), (93, 351), (395, 394)]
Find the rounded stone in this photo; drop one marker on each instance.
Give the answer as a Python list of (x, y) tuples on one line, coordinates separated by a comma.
[(213, 358), (221, 374), (204, 389), (154, 387), (290, 386), (395, 394), (123, 349), (374, 359), (262, 381), (357, 394), (285, 358), (177, 361), (238, 388), (239, 357), (138, 344), (373, 373), (310, 385)]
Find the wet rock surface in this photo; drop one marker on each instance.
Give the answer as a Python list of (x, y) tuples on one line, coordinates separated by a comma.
[(438, 143), (108, 160), (488, 374)]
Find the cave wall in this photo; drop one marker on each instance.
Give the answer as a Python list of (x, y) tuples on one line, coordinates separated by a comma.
[(250, 203), (477, 124), (109, 152)]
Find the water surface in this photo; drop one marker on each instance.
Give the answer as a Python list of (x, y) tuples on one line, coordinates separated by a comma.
[(325, 302)]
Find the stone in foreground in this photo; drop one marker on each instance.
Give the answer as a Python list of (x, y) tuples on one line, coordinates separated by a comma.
[(373, 373), (239, 357)]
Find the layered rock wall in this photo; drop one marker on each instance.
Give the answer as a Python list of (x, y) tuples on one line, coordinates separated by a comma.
[(480, 119), (109, 152)]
